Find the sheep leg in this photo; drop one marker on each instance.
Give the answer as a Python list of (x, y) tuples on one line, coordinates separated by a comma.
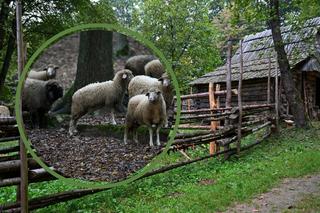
[(135, 137), (158, 136), (150, 135), (125, 135), (112, 117)]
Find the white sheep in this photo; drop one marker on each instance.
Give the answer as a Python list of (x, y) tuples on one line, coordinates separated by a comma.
[(136, 63), (141, 84), (44, 75), (148, 109), (154, 69), (4, 111), (37, 98), (107, 94)]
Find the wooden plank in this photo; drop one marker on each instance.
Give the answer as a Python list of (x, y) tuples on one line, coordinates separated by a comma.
[(22, 192), (213, 124)]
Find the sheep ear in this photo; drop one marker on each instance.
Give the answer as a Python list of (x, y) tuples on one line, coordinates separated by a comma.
[(147, 94), (124, 76), (56, 67), (160, 79)]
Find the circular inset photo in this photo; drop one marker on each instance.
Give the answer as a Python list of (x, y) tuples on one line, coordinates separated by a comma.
[(97, 105)]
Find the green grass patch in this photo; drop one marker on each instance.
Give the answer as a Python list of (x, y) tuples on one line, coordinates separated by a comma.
[(207, 186)]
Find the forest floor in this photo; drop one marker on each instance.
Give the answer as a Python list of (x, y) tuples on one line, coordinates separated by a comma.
[(292, 195), (91, 156)]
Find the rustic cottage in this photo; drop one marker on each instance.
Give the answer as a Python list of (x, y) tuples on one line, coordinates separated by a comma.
[(303, 49)]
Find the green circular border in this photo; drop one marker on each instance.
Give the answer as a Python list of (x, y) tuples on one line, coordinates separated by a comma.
[(95, 26)]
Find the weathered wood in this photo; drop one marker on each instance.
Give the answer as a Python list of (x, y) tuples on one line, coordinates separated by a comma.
[(206, 94), (277, 98), (184, 154), (269, 82), (14, 165), (47, 200), (213, 124), (185, 126), (12, 138), (8, 120), (7, 150), (36, 175), (228, 77), (193, 134), (189, 100), (240, 100), (245, 107)]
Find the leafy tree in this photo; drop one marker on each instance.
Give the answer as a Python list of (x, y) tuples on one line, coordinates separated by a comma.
[(184, 33), (41, 20), (275, 12)]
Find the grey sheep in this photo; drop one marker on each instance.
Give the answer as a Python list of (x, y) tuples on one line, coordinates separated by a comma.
[(4, 111), (107, 94), (148, 109), (37, 98), (154, 69), (44, 75), (136, 63)]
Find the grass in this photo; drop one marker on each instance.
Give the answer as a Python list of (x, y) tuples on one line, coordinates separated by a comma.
[(207, 186)]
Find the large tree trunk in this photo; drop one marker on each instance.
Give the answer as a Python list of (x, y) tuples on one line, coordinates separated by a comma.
[(95, 58), (4, 14), (94, 64), (293, 96), (7, 58)]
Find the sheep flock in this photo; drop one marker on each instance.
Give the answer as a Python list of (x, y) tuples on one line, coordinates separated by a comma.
[(143, 81)]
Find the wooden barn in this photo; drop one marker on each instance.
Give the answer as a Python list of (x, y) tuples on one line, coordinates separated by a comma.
[(259, 57)]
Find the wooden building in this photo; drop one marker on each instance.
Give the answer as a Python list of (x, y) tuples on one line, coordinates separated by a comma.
[(303, 49)]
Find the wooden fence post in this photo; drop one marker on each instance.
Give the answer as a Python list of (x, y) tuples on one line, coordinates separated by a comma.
[(240, 100), (22, 193), (213, 124)]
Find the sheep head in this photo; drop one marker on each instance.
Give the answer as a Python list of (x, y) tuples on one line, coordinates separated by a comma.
[(123, 76), (165, 80), (51, 71), (154, 95)]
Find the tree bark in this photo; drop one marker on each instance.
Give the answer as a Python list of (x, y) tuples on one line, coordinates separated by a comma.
[(7, 58), (95, 58), (94, 64), (291, 92), (4, 14)]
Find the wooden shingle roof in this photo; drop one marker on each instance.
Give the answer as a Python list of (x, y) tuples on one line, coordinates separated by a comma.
[(300, 46)]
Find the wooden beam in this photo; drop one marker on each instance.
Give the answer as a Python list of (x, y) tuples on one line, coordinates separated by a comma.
[(240, 100), (228, 77), (213, 124), (22, 192)]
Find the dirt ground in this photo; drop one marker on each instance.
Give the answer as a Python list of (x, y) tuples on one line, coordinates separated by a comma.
[(283, 197), (86, 157), (90, 157)]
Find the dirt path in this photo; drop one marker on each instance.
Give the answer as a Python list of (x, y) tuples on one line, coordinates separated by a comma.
[(283, 197)]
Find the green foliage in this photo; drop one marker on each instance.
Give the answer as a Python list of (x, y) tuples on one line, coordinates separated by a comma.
[(184, 33)]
